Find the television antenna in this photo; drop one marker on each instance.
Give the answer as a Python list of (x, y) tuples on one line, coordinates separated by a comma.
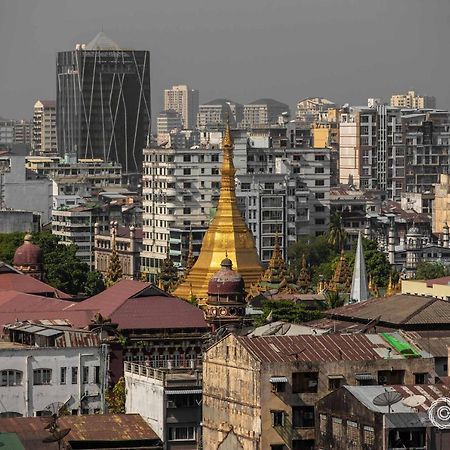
[(388, 399)]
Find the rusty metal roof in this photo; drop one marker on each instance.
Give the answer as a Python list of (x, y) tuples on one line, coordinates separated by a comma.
[(96, 427), (325, 347)]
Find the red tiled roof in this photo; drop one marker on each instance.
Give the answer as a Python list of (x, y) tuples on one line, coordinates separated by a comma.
[(443, 280), (27, 284), (325, 347)]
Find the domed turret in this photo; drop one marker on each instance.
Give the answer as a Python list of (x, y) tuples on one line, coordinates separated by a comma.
[(226, 296), (28, 258)]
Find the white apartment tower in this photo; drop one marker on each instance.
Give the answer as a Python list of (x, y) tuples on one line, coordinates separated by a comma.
[(184, 101), (44, 127)]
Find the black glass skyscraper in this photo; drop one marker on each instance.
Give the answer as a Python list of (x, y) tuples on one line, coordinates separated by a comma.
[(103, 102)]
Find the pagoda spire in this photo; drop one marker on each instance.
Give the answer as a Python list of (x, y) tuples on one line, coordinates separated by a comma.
[(227, 232), (114, 272), (360, 289)]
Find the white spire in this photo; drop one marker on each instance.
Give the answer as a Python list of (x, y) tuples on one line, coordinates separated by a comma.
[(360, 289)]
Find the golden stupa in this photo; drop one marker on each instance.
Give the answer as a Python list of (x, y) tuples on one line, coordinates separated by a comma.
[(227, 236)]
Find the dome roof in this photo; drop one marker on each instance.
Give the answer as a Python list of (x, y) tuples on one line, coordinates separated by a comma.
[(226, 280), (28, 254)]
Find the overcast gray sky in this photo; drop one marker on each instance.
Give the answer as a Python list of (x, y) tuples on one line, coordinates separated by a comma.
[(346, 50)]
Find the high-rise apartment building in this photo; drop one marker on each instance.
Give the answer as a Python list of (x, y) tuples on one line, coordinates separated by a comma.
[(393, 149), (44, 128), (412, 100), (23, 132), (184, 101), (6, 131), (263, 112), (103, 102)]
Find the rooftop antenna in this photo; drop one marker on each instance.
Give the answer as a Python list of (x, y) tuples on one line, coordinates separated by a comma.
[(387, 398), (414, 401)]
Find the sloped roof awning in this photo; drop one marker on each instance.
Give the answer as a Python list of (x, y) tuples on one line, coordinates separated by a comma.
[(365, 377), (335, 377), (278, 380), (183, 391)]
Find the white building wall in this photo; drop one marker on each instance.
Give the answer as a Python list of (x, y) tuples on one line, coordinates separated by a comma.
[(27, 398), (146, 397)]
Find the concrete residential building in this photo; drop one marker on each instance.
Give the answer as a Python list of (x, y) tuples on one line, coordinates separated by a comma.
[(169, 400), (261, 392), (412, 100), (42, 365), (392, 149), (213, 115), (184, 101), (6, 131), (44, 128), (24, 190), (77, 226), (23, 132), (96, 115), (263, 112), (311, 109), (166, 122)]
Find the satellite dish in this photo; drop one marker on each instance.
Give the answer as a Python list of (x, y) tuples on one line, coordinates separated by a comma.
[(387, 398), (414, 401), (56, 436)]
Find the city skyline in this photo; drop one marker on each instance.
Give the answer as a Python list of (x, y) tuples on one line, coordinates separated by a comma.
[(364, 49)]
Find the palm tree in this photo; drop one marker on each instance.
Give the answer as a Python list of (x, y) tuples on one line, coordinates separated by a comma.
[(336, 235)]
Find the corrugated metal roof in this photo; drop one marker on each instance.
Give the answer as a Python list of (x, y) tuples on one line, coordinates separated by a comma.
[(407, 420), (278, 379), (325, 347), (49, 332)]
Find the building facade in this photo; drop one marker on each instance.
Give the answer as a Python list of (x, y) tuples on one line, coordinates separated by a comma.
[(169, 400), (263, 112), (212, 115), (184, 101), (264, 389), (103, 102), (412, 100), (44, 128)]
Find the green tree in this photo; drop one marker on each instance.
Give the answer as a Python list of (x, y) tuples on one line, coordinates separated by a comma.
[(115, 398), (336, 236), (334, 299), (8, 244), (428, 271), (286, 311), (94, 283), (316, 249)]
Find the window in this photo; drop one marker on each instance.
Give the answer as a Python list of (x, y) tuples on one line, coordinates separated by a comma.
[(305, 382), (97, 374), (186, 171), (42, 376), (319, 158), (353, 435), (278, 386), (10, 378), (320, 221), (319, 182), (323, 424), (336, 427), (369, 435), (187, 158), (277, 447), (181, 433), (85, 375), (277, 418), (420, 378), (186, 210), (320, 195), (319, 170), (215, 158), (303, 416), (74, 375), (319, 208), (335, 382), (214, 171), (63, 375)]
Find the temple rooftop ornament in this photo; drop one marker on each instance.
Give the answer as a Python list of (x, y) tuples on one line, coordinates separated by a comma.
[(360, 289), (342, 278), (227, 234)]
